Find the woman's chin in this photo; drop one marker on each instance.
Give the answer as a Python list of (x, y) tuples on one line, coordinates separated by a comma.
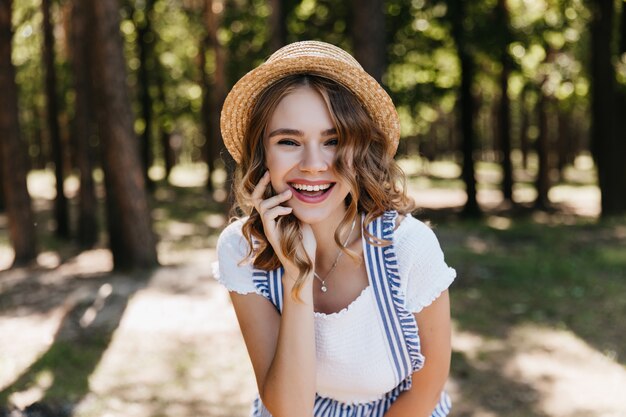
[(310, 216)]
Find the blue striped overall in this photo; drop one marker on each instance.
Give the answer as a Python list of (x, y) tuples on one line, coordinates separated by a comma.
[(399, 326)]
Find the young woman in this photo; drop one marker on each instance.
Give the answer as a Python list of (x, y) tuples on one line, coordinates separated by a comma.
[(329, 274)]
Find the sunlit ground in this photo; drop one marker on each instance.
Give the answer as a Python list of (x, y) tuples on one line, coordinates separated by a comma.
[(539, 371), (166, 343)]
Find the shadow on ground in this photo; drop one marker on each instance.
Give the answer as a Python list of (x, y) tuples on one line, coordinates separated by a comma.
[(91, 308)]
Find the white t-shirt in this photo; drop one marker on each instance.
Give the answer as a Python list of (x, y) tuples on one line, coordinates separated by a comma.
[(353, 355)]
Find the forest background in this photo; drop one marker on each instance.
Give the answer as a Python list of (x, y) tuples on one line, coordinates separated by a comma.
[(513, 140)]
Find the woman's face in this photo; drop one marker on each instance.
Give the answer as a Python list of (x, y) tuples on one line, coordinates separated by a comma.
[(300, 144)]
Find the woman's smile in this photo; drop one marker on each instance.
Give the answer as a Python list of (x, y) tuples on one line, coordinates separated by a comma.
[(301, 144), (311, 192)]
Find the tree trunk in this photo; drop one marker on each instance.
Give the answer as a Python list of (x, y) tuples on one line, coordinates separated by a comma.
[(60, 202), (620, 107), (165, 129), (564, 142), (278, 24), (145, 40), (131, 238), (84, 124), (523, 131), (505, 106), (165, 125), (368, 35), (2, 198), (14, 163), (542, 181), (466, 106), (209, 150), (215, 93), (604, 126)]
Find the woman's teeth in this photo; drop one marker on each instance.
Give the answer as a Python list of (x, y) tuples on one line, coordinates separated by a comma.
[(302, 187)]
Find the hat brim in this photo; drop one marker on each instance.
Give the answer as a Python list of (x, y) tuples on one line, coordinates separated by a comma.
[(242, 97)]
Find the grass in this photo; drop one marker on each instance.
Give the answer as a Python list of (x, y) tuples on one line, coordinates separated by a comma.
[(561, 276)]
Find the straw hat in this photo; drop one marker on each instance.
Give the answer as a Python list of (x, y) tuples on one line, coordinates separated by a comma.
[(311, 57)]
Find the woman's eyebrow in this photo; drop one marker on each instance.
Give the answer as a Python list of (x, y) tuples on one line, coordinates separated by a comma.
[(285, 132), (329, 132)]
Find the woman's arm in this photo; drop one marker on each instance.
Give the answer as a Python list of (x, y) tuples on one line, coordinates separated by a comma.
[(435, 332), (281, 349)]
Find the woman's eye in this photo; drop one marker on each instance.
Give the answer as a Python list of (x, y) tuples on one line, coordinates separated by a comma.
[(332, 142), (287, 142)]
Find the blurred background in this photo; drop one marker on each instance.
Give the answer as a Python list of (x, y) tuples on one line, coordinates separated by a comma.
[(115, 186)]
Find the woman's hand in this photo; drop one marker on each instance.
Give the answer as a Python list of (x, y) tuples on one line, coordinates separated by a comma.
[(270, 209)]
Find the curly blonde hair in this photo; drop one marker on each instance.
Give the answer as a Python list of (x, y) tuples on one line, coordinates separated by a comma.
[(376, 183)]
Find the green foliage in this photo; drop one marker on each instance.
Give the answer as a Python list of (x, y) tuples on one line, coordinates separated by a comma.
[(245, 33), (27, 58), (547, 42), (423, 67)]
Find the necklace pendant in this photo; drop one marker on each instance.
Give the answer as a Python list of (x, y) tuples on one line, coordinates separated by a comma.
[(324, 288)]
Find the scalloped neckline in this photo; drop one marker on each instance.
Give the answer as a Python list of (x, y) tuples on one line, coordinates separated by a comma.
[(343, 311)]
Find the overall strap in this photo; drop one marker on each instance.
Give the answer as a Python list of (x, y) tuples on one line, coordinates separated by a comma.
[(399, 324), (270, 285)]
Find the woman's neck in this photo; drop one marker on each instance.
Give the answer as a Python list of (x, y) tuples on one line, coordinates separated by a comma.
[(325, 237)]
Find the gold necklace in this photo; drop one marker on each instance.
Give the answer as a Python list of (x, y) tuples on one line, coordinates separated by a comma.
[(324, 288)]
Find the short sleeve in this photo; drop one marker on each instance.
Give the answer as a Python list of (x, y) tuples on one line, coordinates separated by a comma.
[(230, 269), (423, 271)]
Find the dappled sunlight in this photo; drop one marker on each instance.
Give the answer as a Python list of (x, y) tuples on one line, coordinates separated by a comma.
[(41, 184), (191, 257), (177, 351), (94, 261), (215, 220), (48, 259), (444, 169), (42, 381), (586, 199), (6, 257), (562, 366), (220, 195), (188, 175), (499, 223), (412, 166), (178, 229), (26, 338), (477, 245), (559, 374), (175, 347), (474, 345), (582, 171), (580, 200)]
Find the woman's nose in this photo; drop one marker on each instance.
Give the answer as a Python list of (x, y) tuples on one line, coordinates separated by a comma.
[(314, 160)]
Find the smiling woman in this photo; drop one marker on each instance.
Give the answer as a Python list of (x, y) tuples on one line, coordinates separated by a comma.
[(314, 137)]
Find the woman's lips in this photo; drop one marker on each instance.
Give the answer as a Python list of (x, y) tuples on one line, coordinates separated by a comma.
[(311, 197)]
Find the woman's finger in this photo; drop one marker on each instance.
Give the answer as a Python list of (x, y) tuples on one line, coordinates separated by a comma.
[(273, 213), (274, 201), (257, 193)]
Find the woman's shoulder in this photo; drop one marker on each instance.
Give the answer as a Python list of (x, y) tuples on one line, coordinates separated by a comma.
[(232, 238), (233, 269), (411, 231), (421, 262), (232, 232)]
